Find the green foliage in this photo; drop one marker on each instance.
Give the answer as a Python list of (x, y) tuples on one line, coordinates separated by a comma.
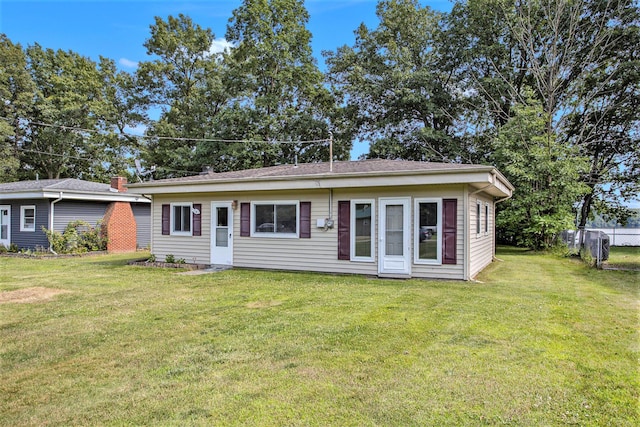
[(546, 176), (78, 237), (395, 82), (170, 258)]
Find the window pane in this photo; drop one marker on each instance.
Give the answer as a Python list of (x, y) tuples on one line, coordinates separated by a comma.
[(29, 218), (177, 218), (182, 218), (363, 230), (222, 237), (486, 218), (264, 218), (394, 230), (223, 218), (186, 218), (286, 219), (428, 230)]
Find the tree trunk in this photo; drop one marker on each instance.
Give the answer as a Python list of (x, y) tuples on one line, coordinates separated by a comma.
[(585, 210)]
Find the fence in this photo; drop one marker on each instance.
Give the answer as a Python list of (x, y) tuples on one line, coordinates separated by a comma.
[(596, 242), (621, 236)]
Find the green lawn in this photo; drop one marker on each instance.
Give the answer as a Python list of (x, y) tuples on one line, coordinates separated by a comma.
[(538, 341), (624, 257)]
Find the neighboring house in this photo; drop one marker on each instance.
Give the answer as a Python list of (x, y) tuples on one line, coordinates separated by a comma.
[(376, 217), (27, 206)]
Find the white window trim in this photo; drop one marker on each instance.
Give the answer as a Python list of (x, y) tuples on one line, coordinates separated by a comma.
[(478, 218), (295, 235), (416, 232), (22, 218), (352, 230), (172, 216)]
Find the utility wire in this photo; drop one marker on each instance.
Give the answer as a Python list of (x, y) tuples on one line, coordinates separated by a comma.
[(230, 141)]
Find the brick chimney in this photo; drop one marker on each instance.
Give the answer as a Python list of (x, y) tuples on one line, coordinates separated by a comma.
[(118, 183), (120, 227)]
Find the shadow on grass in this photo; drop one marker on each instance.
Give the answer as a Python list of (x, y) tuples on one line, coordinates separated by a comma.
[(513, 250)]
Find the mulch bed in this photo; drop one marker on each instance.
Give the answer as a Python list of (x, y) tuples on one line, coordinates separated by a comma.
[(158, 264)]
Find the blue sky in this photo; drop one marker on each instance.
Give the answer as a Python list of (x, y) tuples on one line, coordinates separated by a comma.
[(117, 29)]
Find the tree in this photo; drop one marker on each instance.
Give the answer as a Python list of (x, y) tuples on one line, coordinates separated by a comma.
[(16, 93), (579, 57), (185, 82), (546, 176), (396, 83), (278, 91), (68, 90)]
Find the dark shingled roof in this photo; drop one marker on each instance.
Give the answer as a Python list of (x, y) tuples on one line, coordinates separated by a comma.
[(66, 184), (373, 167)]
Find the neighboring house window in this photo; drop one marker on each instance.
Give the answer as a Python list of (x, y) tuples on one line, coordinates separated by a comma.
[(362, 231), (478, 219), (428, 231), (27, 218), (486, 218), (274, 219)]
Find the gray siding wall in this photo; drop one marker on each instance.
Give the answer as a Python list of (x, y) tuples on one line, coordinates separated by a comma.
[(66, 211), (30, 239), (142, 213)]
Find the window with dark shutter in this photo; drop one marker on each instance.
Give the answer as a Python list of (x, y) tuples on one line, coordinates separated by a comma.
[(196, 218), (245, 219), (449, 230), (166, 220), (305, 220), (344, 223)]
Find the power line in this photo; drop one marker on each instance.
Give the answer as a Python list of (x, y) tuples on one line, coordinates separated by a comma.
[(159, 137)]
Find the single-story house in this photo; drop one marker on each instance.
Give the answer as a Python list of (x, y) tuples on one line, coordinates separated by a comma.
[(27, 206), (375, 217)]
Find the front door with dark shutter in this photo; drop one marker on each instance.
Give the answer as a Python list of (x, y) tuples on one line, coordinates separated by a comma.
[(221, 233), (394, 248)]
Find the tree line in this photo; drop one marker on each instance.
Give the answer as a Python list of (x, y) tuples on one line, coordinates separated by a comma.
[(546, 90)]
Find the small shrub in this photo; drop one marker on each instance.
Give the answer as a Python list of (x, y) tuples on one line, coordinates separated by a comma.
[(14, 248), (3, 249), (170, 259), (152, 258), (78, 237), (180, 261)]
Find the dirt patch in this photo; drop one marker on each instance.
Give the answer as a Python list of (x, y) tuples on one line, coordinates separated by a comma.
[(28, 295), (264, 304)]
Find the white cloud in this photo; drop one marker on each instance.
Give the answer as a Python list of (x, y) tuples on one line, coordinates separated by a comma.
[(127, 63), (220, 45)]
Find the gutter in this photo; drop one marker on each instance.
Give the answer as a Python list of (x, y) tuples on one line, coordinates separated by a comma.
[(51, 217)]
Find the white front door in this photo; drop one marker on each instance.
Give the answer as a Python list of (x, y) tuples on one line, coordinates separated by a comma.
[(5, 225), (221, 233), (394, 255)]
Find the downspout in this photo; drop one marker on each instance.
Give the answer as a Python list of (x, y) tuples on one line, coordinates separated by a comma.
[(51, 217), (151, 220)]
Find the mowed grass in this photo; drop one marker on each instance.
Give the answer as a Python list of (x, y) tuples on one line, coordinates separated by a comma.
[(538, 341), (624, 257)]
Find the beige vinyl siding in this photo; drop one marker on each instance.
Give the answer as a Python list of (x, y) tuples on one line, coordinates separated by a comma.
[(480, 244), (193, 249), (320, 252)]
